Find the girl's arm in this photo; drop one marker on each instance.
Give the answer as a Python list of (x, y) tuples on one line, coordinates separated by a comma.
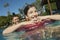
[(54, 17), (14, 27), (11, 29)]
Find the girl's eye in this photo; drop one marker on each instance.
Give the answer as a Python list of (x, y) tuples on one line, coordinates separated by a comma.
[(36, 11), (31, 12)]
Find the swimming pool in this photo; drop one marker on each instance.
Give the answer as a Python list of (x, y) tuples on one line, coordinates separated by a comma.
[(47, 34)]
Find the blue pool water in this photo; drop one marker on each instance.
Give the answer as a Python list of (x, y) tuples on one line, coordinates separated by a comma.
[(18, 35), (1, 36)]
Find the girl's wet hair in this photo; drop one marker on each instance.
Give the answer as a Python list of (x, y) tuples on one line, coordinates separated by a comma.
[(27, 8)]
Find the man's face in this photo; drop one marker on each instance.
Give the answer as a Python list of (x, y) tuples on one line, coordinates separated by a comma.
[(15, 19), (32, 13)]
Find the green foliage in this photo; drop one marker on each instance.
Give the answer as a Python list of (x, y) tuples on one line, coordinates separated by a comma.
[(53, 6), (3, 20)]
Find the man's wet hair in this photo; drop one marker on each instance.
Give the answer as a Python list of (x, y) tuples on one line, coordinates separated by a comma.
[(14, 15)]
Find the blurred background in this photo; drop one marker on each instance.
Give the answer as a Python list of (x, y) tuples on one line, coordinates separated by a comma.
[(8, 7)]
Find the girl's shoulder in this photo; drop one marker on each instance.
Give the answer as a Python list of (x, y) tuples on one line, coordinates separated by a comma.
[(26, 22)]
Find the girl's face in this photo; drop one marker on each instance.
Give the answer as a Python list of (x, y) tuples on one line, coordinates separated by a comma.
[(32, 13)]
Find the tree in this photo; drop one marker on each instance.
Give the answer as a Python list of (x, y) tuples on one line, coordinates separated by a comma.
[(8, 13), (6, 5), (21, 13)]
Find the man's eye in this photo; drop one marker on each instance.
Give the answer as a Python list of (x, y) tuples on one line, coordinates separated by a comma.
[(32, 17), (15, 19)]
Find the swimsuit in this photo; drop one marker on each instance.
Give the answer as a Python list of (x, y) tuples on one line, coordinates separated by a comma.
[(36, 25), (33, 30)]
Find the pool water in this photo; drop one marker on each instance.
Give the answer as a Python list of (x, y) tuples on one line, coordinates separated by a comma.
[(19, 35)]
